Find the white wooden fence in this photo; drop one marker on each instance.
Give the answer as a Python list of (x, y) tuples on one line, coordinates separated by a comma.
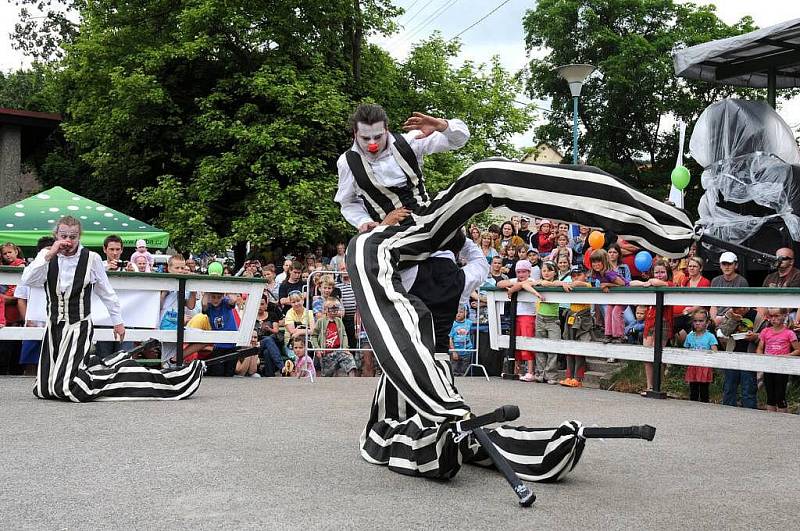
[(720, 297)]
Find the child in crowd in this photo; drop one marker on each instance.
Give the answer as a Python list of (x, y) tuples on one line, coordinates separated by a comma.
[(461, 341), (327, 288), (329, 341), (298, 320), (509, 260), (304, 367), (737, 325), (634, 332), (579, 327), (248, 365), (141, 250), (168, 318), (536, 269), (777, 340), (660, 275), (699, 338), (526, 312), (605, 277), (614, 322), (545, 240), (562, 247), (220, 311), (548, 326)]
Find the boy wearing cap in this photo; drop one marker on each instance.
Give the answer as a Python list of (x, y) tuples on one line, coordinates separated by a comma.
[(729, 278), (525, 325), (141, 250)]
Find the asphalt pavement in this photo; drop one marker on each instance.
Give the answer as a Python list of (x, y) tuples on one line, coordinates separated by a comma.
[(281, 453)]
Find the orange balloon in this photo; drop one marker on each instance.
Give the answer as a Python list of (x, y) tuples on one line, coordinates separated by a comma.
[(596, 240)]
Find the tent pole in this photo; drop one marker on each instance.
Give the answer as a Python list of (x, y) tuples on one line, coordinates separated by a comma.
[(772, 75)]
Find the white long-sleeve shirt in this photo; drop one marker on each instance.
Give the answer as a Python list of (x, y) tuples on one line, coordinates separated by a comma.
[(386, 169), (36, 275)]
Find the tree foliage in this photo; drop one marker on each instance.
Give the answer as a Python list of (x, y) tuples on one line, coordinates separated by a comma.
[(222, 121), (625, 109)]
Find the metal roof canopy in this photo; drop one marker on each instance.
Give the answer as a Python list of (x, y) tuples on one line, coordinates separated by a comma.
[(766, 58)]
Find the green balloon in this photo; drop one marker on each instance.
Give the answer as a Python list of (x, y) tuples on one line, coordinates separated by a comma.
[(680, 177), (215, 268)]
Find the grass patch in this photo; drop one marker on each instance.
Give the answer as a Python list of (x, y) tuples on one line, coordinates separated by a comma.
[(630, 379)]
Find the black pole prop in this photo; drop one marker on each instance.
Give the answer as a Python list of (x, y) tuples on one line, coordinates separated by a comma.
[(645, 432), (508, 361), (523, 492), (475, 424)]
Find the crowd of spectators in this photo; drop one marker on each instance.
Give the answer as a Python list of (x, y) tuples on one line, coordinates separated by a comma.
[(522, 254)]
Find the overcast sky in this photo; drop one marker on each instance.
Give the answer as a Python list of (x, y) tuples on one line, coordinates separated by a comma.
[(500, 33)]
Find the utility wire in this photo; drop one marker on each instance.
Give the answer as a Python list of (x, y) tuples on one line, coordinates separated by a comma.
[(484, 17), (417, 12), (436, 14)]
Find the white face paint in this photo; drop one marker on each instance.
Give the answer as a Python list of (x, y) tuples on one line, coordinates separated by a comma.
[(372, 138), (72, 235)]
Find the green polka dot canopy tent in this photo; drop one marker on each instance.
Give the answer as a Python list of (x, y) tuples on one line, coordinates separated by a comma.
[(24, 222)]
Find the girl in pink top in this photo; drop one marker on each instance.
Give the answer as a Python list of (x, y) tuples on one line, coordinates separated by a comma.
[(777, 340)]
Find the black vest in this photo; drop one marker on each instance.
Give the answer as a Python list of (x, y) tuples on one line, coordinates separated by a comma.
[(73, 306), (378, 199)]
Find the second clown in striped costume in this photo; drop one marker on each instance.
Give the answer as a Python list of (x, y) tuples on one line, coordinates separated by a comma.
[(381, 191), (70, 273)]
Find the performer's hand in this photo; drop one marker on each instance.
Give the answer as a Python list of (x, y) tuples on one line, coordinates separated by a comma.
[(57, 247), (427, 125), (368, 226), (396, 216), (119, 332)]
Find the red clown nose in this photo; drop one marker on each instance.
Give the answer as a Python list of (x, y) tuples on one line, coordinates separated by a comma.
[(372, 148)]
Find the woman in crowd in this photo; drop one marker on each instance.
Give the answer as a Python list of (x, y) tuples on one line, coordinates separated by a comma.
[(475, 234), (487, 246), (271, 287), (614, 321), (693, 279), (660, 276), (579, 244), (508, 236)]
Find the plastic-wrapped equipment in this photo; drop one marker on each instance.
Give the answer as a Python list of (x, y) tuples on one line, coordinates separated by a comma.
[(747, 152)]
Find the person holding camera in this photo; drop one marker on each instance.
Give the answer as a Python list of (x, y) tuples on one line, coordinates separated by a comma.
[(112, 248)]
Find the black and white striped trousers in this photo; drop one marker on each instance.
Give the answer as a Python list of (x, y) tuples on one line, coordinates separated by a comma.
[(63, 373), (400, 327)]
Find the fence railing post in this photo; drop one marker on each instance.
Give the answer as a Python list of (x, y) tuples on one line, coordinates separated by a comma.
[(181, 321), (658, 348)]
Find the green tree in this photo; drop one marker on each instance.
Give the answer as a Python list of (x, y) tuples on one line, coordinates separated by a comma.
[(222, 121), (624, 111)]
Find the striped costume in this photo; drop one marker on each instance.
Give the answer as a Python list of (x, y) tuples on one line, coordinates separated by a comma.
[(63, 373), (409, 427)]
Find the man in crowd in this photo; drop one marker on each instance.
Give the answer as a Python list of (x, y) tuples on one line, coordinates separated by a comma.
[(728, 263), (112, 248), (787, 275), (495, 271), (524, 231), (337, 260)]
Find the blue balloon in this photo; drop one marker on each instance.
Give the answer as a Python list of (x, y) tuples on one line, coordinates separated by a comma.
[(643, 261)]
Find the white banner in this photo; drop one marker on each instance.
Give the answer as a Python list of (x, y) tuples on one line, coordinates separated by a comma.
[(140, 309)]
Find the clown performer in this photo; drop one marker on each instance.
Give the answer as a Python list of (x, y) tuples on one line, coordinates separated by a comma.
[(70, 274), (403, 232)]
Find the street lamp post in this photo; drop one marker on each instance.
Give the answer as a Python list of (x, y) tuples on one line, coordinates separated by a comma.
[(575, 75)]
